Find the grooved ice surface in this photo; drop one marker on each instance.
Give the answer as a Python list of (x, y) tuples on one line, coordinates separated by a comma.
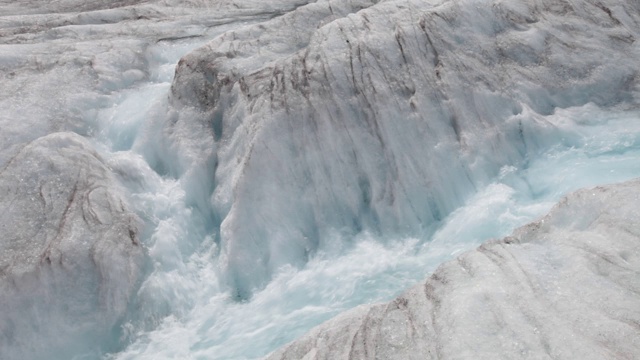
[(311, 156), (69, 256), (385, 119), (563, 287)]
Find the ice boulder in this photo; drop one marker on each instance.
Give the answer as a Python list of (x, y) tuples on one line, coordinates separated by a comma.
[(563, 287), (69, 252), (344, 116)]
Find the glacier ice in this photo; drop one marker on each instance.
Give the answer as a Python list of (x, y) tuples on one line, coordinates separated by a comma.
[(383, 117), (70, 256), (347, 272), (71, 237), (564, 287), (310, 157)]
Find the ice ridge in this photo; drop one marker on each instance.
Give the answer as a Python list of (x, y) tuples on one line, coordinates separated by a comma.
[(342, 117)]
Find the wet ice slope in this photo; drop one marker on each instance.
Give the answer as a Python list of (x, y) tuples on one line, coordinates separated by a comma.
[(71, 256), (563, 287), (313, 157), (384, 120)]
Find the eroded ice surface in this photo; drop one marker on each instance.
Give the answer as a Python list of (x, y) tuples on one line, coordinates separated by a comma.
[(563, 287), (384, 119), (72, 243), (312, 157), (70, 256), (347, 272)]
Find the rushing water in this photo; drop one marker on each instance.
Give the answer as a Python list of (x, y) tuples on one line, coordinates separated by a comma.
[(181, 310)]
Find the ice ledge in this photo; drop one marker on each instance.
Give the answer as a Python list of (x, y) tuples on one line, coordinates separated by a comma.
[(564, 287)]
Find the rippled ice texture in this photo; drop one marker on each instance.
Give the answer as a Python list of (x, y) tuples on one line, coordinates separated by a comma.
[(174, 162), (564, 286)]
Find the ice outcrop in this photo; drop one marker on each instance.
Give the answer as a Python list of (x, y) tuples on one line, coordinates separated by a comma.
[(343, 116), (69, 252), (563, 287)]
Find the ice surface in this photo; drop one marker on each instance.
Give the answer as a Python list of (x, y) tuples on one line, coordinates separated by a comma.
[(312, 157), (563, 287), (349, 271), (70, 256), (71, 243), (383, 117)]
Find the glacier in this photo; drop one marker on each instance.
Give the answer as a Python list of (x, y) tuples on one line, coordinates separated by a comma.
[(214, 178), (71, 257)]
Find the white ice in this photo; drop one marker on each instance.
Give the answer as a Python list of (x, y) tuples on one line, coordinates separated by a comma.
[(563, 287), (381, 117), (312, 157)]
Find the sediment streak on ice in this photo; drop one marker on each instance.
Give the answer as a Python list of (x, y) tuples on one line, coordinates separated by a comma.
[(564, 287)]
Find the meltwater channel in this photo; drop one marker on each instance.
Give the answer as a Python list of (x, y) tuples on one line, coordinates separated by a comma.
[(182, 311)]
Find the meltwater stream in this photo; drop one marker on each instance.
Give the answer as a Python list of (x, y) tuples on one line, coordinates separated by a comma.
[(182, 311)]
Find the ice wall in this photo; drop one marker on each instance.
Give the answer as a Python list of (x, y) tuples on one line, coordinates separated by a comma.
[(347, 116), (563, 287)]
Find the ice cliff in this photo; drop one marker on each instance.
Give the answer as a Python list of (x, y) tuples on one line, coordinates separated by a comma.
[(349, 116), (563, 287)]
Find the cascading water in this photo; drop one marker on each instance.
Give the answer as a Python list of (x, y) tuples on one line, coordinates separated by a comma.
[(184, 311)]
